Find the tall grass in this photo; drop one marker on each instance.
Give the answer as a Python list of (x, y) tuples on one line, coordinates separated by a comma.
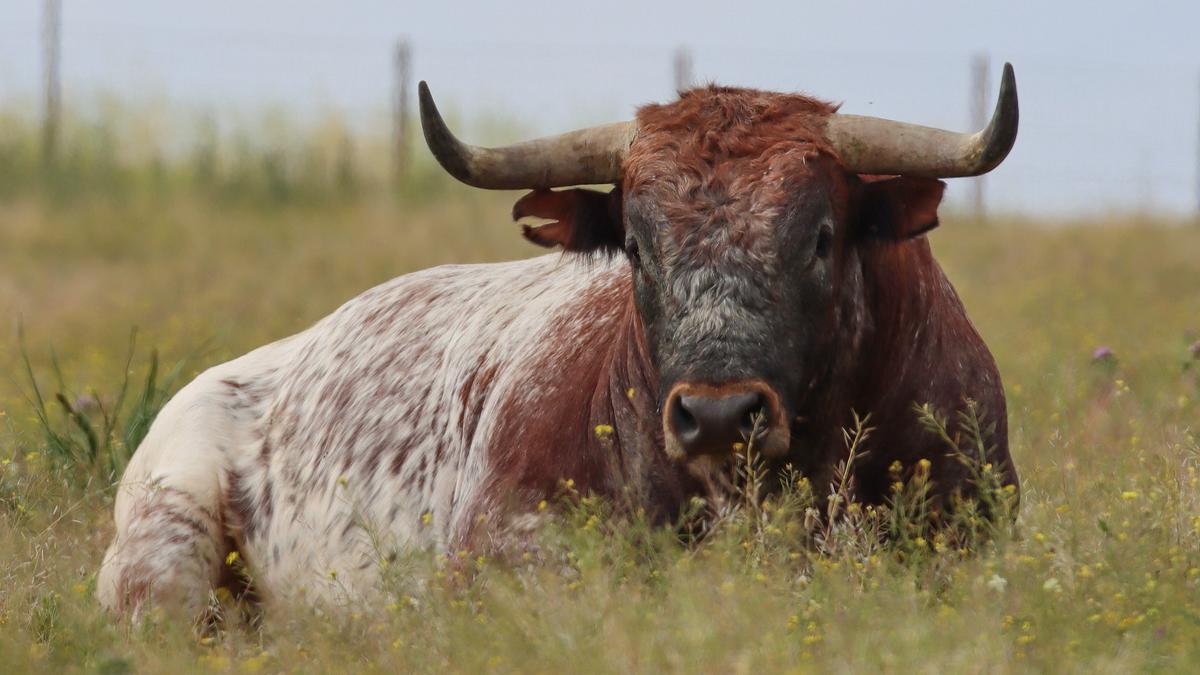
[(92, 433)]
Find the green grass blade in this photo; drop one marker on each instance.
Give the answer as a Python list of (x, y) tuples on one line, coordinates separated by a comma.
[(81, 421)]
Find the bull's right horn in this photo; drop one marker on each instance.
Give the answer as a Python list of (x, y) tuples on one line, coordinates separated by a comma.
[(583, 157)]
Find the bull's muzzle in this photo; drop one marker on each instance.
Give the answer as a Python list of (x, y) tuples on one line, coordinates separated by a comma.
[(715, 420)]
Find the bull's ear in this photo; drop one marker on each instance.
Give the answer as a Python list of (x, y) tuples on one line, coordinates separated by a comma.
[(900, 208), (583, 220)]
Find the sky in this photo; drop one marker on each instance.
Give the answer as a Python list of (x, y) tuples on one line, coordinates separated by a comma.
[(1110, 91)]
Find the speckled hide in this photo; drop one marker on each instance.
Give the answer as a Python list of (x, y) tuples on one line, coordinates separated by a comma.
[(416, 413)]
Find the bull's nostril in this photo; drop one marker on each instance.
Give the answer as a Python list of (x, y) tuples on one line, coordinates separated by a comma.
[(747, 425), (755, 418), (683, 420)]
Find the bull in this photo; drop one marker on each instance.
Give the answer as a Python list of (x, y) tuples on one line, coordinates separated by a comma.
[(758, 272)]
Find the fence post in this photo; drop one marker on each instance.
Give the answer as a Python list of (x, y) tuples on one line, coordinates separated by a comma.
[(52, 112), (400, 107), (682, 66), (980, 89), (1198, 152)]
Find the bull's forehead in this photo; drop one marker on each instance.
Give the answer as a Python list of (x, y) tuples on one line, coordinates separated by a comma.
[(717, 167), (734, 195)]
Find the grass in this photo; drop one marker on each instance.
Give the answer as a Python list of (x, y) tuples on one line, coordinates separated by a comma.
[(1102, 571)]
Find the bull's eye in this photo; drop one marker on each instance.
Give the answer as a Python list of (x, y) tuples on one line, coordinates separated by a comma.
[(824, 242), (631, 249)]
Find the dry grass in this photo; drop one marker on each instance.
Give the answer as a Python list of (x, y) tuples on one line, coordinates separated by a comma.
[(1102, 574)]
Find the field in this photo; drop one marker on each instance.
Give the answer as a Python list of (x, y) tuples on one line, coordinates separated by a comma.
[(1100, 573)]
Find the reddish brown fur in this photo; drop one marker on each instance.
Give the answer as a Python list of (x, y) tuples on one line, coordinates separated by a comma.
[(703, 156), (557, 440)]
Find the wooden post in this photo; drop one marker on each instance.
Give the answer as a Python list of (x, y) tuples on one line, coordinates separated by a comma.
[(980, 90), (206, 155), (1198, 155), (400, 106), (683, 69), (52, 113)]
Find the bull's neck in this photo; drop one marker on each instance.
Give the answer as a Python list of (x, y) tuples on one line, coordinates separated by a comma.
[(627, 423), (912, 317), (626, 397)]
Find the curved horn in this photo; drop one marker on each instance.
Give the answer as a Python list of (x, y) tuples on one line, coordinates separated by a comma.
[(580, 157), (878, 146)]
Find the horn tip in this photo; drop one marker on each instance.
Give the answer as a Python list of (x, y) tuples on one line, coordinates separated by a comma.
[(423, 94), (1008, 79)]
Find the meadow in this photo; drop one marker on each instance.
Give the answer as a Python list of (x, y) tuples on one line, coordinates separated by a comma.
[(210, 252)]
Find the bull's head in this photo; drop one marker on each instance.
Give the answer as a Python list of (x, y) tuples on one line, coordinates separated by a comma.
[(742, 214)]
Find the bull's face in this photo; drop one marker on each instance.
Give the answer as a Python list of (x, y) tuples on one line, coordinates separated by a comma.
[(741, 214), (732, 257), (735, 266)]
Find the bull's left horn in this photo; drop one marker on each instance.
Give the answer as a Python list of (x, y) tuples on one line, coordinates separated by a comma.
[(582, 157), (878, 146)]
